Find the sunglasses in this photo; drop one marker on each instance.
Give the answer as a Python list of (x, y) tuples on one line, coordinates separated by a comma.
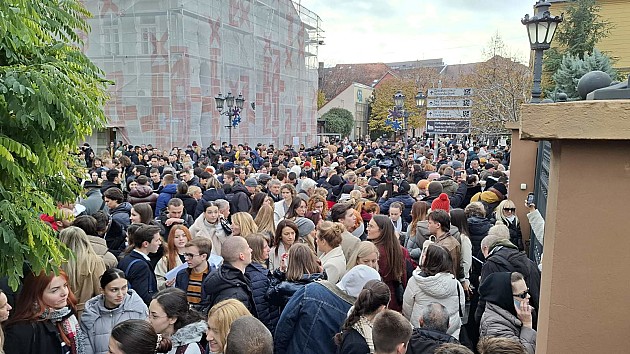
[(510, 209), (522, 295)]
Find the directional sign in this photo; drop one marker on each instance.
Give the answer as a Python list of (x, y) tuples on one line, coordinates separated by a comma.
[(449, 102), (448, 126), (450, 92), (448, 113)]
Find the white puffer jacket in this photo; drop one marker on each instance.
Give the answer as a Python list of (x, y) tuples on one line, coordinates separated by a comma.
[(441, 288)]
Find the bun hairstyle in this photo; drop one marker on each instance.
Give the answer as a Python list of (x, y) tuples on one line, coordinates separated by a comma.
[(110, 275), (375, 294), (137, 337), (330, 232)]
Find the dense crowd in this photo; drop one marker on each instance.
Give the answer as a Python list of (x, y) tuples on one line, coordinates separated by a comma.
[(344, 247)]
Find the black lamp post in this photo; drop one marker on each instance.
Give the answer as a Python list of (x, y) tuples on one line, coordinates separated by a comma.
[(231, 107), (399, 105), (541, 28)]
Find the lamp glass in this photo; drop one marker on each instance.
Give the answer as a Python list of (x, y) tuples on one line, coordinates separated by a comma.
[(399, 99), (219, 100), (551, 31), (229, 100), (240, 101), (420, 99), (532, 31)]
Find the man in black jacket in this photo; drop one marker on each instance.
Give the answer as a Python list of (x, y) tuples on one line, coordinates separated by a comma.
[(229, 281), (432, 331), (136, 264)]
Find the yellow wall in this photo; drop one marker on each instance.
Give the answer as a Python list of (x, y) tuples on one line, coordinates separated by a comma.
[(617, 44)]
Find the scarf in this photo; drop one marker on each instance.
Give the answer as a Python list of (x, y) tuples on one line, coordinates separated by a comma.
[(398, 225), (67, 322), (364, 327)]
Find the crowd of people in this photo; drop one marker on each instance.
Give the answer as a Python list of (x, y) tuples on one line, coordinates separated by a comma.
[(345, 247)]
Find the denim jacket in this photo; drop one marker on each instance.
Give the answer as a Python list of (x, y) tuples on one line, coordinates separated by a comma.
[(311, 318)]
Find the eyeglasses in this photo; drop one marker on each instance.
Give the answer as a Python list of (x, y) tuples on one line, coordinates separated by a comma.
[(190, 255), (510, 209), (522, 295)]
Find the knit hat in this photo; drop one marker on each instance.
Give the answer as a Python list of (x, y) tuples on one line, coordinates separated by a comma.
[(356, 278), (423, 184), (305, 226), (435, 188), (228, 166), (441, 202), (500, 187), (251, 182), (489, 166), (456, 164), (307, 164)]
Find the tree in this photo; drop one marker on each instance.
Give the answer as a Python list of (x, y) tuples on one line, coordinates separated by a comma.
[(384, 102), (321, 99), (51, 96), (501, 84), (573, 68), (577, 35), (339, 120)]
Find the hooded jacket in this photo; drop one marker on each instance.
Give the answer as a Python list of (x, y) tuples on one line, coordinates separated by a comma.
[(414, 244), (165, 195), (427, 341), (499, 318), (240, 200), (97, 321), (209, 195), (227, 283), (189, 335), (442, 288), (142, 194), (117, 232), (93, 201), (190, 203)]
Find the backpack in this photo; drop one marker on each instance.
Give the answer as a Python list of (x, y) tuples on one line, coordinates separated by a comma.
[(129, 268)]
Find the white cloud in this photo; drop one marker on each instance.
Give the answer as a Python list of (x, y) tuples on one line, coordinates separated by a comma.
[(359, 31)]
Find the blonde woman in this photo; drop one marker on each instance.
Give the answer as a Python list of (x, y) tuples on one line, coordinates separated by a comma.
[(173, 255), (366, 254), (329, 243), (243, 224), (220, 319), (264, 221), (84, 269), (505, 214)]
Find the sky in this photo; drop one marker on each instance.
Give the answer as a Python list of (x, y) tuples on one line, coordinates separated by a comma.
[(369, 31)]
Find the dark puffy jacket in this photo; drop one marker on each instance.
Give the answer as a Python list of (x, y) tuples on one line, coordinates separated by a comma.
[(210, 195), (407, 201), (117, 232), (140, 275), (190, 203), (281, 290), (142, 194), (427, 341), (166, 230), (40, 337), (227, 283), (165, 195), (478, 228), (268, 314), (240, 199)]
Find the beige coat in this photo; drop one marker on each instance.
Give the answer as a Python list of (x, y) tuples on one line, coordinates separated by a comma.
[(100, 247), (88, 282), (202, 228), (334, 264), (349, 243), (161, 268)]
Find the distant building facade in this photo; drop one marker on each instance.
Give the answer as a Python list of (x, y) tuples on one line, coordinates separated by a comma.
[(170, 58)]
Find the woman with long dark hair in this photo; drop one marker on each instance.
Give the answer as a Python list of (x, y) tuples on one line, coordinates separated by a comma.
[(286, 233), (459, 220), (183, 327), (134, 337), (356, 333), (392, 259), (431, 282), (115, 304), (44, 319), (259, 276), (415, 237)]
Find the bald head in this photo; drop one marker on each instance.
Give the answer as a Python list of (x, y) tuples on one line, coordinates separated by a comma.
[(235, 250), (249, 335)]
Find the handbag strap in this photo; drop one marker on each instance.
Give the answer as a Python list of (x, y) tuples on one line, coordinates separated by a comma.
[(459, 300)]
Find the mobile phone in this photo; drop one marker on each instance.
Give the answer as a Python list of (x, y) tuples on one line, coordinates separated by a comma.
[(530, 198), (517, 304)]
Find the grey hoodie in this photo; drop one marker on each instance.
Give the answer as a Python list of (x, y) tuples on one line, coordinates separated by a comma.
[(414, 244), (97, 321)]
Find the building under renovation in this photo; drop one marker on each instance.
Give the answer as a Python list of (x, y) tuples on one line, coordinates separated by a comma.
[(170, 58)]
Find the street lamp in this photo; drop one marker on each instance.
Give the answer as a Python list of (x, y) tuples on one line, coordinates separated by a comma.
[(420, 99), (541, 28), (231, 107)]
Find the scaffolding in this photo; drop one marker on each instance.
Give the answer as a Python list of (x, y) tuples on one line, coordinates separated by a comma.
[(170, 58)]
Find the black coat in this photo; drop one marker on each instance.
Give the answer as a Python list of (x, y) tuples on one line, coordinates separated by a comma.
[(281, 290), (139, 275), (352, 342), (190, 203), (426, 341), (209, 195), (227, 283), (39, 337)]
